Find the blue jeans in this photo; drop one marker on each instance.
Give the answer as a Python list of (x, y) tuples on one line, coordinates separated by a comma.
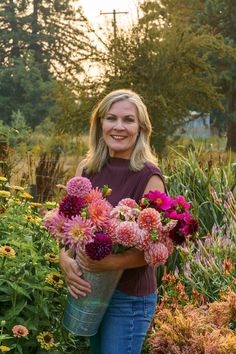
[(124, 325)]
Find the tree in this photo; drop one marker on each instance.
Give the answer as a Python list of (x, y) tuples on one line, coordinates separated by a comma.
[(167, 62), (23, 88), (220, 15), (51, 29)]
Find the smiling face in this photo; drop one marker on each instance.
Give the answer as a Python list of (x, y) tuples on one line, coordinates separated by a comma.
[(120, 128)]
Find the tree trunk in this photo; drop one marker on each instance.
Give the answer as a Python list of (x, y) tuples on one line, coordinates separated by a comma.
[(231, 131)]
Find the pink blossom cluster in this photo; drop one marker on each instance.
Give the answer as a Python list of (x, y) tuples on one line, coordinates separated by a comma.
[(82, 215), (154, 226)]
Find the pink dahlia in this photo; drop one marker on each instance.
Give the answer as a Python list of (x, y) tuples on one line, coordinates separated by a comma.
[(99, 213), (156, 254), (70, 206), (94, 195), (55, 226), (128, 202), (100, 247), (77, 232), (159, 200), (128, 234), (20, 331), (79, 186), (48, 216), (149, 218)]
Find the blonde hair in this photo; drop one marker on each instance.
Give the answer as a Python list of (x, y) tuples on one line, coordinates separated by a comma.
[(98, 151)]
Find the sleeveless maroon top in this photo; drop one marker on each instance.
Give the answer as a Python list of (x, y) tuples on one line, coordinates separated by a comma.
[(128, 184)]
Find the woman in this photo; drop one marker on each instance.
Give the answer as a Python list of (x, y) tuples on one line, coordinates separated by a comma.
[(120, 156)]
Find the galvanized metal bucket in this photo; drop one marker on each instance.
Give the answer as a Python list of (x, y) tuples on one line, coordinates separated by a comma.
[(83, 316)]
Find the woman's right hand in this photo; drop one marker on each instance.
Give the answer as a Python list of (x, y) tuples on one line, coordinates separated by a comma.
[(76, 285)]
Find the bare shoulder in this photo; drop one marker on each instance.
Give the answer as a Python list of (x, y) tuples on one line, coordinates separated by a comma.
[(80, 167), (154, 183)]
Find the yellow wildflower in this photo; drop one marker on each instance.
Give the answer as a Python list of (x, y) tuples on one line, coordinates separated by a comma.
[(54, 279), (3, 179), (4, 348), (51, 258), (50, 205), (7, 251), (26, 195), (46, 340), (4, 194), (36, 204)]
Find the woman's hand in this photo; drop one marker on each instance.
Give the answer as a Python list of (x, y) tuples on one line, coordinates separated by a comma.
[(76, 285)]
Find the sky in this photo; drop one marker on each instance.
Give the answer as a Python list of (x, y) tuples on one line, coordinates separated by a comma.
[(92, 9)]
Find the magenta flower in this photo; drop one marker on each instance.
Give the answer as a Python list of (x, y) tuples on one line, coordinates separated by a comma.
[(156, 254), (190, 225), (159, 200), (70, 206), (77, 232), (100, 247), (79, 186), (180, 204)]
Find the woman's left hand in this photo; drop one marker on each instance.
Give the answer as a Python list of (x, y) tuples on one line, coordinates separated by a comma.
[(110, 262)]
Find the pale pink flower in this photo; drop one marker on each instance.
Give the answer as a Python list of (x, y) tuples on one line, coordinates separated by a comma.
[(99, 213), (79, 186), (48, 216), (149, 218), (124, 213), (77, 232), (20, 331), (156, 254), (128, 233), (128, 202)]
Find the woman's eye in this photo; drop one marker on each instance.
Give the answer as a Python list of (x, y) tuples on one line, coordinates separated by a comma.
[(110, 118)]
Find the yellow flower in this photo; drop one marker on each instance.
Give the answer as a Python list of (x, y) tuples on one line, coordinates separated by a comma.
[(50, 205), (3, 323), (54, 279), (26, 195), (46, 340), (36, 204), (4, 348), (51, 258), (4, 194), (7, 251), (29, 218), (3, 179)]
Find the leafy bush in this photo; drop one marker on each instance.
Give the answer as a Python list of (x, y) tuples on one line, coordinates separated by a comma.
[(32, 288)]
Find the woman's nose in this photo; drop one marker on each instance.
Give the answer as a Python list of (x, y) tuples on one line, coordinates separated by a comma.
[(119, 124)]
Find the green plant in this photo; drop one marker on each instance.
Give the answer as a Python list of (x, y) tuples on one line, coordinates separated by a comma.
[(32, 288)]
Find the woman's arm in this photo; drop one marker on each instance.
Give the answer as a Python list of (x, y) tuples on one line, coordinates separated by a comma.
[(132, 258)]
